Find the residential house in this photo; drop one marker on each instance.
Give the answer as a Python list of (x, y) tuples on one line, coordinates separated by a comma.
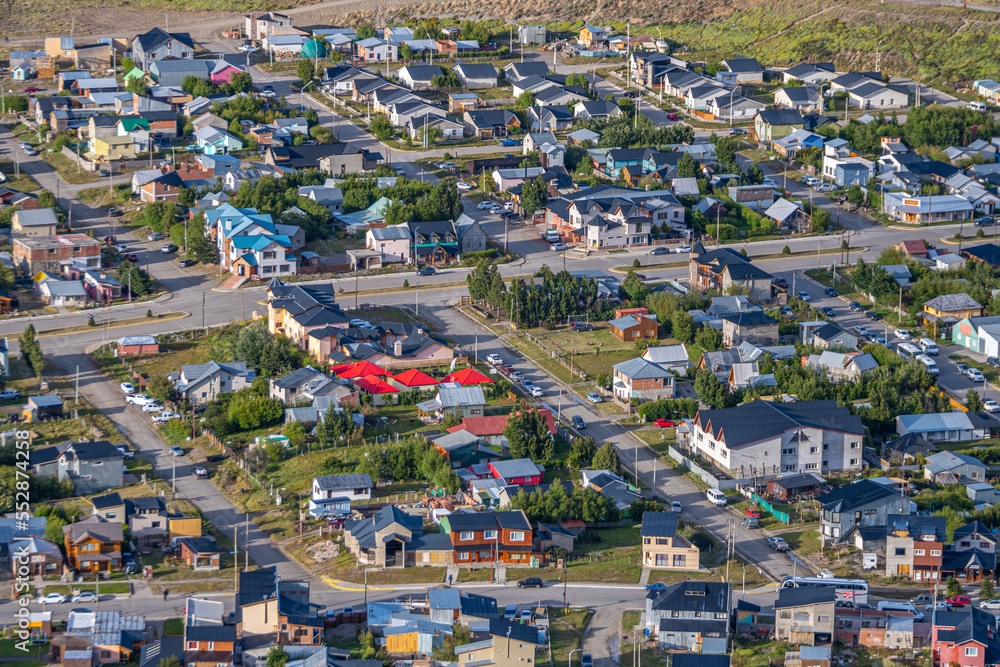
[(904, 450), (747, 70), (462, 448), (40, 408), (64, 293), (489, 430), (849, 170), (476, 76), (49, 253), (802, 98), (136, 345), (41, 557), (163, 188), (173, 72), (516, 472), (261, 24), (418, 77), (723, 269), (944, 467), (597, 110), (809, 73), (200, 553), (671, 357), (36, 222), (211, 141), (805, 615), (789, 215), (109, 507), (662, 546), (394, 538), (204, 383), (374, 49), (454, 400), (149, 521), (333, 494), (861, 504), (774, 124), (792, 487), (691, 616), (634, 327), (207, 641), (794, 142), (770, 438), (878, 96), (509, 644), (965, 636), (93, 544), (840, 367), (490, 537), (90, 466), (913, 546), (754, 327), (827, 336), (642, 380), (946, 426), (392, 241), (156, 45), (489, 123), (952, 306)]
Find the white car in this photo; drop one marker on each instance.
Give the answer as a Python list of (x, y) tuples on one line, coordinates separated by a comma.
[(52, 598), (248, 48), (769, 182), (558, 247), (463, 186), (684, 248), (268, 94), (494, 359), (485, 204), (447, 165), (989, 405), (127, 387), (85, 596), (594, 397), (938, 606), (152, 406), (9, 394), (164, 417), (537, 392), (990, 604), (496, 210), (976, 375), (137, 399), (903, 334)]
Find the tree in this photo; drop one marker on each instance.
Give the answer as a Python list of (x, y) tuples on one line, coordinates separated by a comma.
[(250, 411), (525, 100), (641, 506), (986, 591), (47, 200), (755, 176), (127, 64), (405, 52), (200, 245), (687, 167), (973, 401), (6, 278), (534, 195), (336, 424), (277, 656), (138, 87), (954, 586), (581, 452), (172, 661), (709, 339), (364, 31), (606, 458), (31, 350), (133, 278), (240, 82), (682, 326), (635, 289), (161, 388), (381, 128), (305, 70), (528, 436)]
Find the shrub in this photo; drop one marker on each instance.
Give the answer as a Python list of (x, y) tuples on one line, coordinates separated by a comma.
[(786, 250)]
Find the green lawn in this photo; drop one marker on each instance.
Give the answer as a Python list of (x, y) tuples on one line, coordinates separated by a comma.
[(803, 541), (543, 359), (566, 630), (107, 588), (68, 169), (173, 627), (8, 649), (620, 566), (611, 538)]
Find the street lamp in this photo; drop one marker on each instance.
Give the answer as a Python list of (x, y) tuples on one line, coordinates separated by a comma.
[(569, 660)]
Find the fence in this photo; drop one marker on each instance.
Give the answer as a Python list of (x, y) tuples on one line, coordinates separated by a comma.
[(720, 483), (777, 514), (555, 355)]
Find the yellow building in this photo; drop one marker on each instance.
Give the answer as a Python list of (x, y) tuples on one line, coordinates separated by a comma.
[(662, 547), (112, 147), (957, 306), (591, 36), (185, 526)]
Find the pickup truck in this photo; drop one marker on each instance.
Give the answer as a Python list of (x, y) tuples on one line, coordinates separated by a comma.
[(777, 543), (494, 359)]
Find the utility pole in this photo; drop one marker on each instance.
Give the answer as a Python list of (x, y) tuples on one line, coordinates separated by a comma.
[(202, 310)]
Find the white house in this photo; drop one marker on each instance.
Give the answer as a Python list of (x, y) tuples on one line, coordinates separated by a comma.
[(946, 426), (878, 96), (332, 495)]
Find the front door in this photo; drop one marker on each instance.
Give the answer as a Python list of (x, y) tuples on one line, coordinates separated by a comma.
[(903, 570)]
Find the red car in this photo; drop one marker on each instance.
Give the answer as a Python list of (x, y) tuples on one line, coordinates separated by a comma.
[(664, 423), (131, 256), (959, 601), (30, 89), (752, 512)]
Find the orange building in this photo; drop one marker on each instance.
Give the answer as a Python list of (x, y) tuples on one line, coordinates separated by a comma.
[(93, 545)]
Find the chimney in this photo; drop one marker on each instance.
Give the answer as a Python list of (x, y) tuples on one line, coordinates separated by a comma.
[(397, 348)]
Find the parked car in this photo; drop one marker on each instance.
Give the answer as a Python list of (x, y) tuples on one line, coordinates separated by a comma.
[(751, 522), (531, 582), (200, 472), (495, 210), (52, 598), (683, 249), (582, 326), (558, 247), (84, 596), (463, 186), (962, 368), (941, 605), (9, 394), (510, 611), (985, 221), (873, 316), (247, 48), (30, 89), (656, 586), (137, 399), (990, 604), (131, 256), (157, 236), (855, 307), (976, 375), (120, 248), (399, 171), (447, 165), (537, 392), (186, 262), (594, 397), (176, 451), (829, 291), (127, 388), (804, 295), (578, 422), (166, 416), (993, 362), (525, 616), (509, 142), (664, 423), (989, 405), (675, 506), (494, 359), (777, 543), (659, 251), (216, 458), (485, 204), (861, 330), (829, 312), (168, 248), (902, 334), (152, 406), (586, 660), (30, 152), (780, 282), (426, 271), (735, 131), (959, 601)]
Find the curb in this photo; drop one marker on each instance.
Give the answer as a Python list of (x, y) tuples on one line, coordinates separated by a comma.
[(42, 334)]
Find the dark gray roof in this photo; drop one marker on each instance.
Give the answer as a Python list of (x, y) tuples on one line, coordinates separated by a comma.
[(916, 526), (759, 420), (974, 528), (155, 36), (476, 71), (488, 521), (106, 501), (503, 628), (200, 545), (749, 318), (798, 481), (947, 302), (742, 64), (782, 117), (802, 595), (480, 606), (210, 632), (858, 494), (659, 524), (257, 586), (94, 451), (360, 480), (147, 503), (699, 596)]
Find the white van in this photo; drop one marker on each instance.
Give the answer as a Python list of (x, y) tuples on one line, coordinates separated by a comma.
[(907, 350), (900, 606), (716, 497), (811, 180), (928, 346), (977, 106), (929, 363)]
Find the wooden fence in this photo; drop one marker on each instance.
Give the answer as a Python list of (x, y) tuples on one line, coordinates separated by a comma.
[(552, 353)]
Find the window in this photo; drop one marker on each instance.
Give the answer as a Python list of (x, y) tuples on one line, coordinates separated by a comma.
[(935, 552), (971, 651), (680, 560), (155, 524), (855, 445), (92, 546), (814, 450), (854, 462), (662, 541), (900, 551), (110, 515), (645, 540), (490, 534), (918, 552), (812, 466), (517, 536), (97, 463), (467, 536), (790, 450)]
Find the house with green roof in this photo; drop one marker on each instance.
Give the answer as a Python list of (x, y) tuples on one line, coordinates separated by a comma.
[(134, 74), (137, 128), (360, 221)]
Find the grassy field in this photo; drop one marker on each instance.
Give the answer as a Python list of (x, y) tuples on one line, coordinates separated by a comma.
[(23, 184), (344, 568), (68, 169), (566, 629), (619, 566), (542, 359), (108, 588), (803, 541)]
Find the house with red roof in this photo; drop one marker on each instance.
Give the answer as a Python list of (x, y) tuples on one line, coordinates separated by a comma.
[(916, 249), (361, 369), (415, 380), (490, 428), (382, 390), (468, 377), (966, 637)]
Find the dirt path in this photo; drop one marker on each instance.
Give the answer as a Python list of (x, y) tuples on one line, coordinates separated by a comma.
[(601, 639)]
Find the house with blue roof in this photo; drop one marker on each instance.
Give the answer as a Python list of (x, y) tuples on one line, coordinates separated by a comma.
[(211, 141), (252, 244)]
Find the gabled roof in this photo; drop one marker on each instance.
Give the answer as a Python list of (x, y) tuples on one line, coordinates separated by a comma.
[(858, 494), (154, 37), (341, 482), (781, 117), (107, 501), (948, 302), (641, 369), (692, 596), (96, 527), (761, 420), (804, 595), (659, 524)]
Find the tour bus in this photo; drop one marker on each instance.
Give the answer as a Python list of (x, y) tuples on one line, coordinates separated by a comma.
[(854, 591)]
